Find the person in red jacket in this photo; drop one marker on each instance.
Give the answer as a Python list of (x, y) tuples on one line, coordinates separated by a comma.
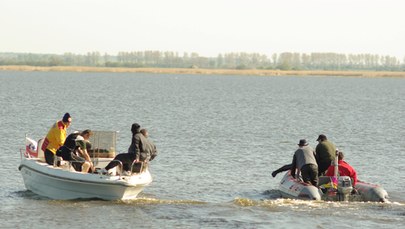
[(344, 169)]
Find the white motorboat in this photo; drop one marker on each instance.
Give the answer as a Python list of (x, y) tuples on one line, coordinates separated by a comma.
[(62, 182)]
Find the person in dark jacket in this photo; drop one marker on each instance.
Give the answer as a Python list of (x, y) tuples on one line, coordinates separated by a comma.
[(325, 154), (304, 160), (138, 145), (67, 151), (68, 147), (135, 151), (150, 147)]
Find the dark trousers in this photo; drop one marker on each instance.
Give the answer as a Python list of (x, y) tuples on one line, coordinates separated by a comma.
[(49, 157), (322, 167), (126, 160), (309, 174), (70, 155)]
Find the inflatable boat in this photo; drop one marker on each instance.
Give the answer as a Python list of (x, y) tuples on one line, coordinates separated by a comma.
[(331, 189)]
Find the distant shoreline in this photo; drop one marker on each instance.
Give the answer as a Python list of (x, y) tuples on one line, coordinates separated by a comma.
[(252, 72)]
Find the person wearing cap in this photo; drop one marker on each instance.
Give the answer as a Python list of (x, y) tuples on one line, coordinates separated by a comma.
[(344, 169), (304, 160), (325, 153), (55, 138), (136, 151)]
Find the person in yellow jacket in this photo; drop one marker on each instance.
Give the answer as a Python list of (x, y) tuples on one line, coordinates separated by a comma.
[(55, 138)]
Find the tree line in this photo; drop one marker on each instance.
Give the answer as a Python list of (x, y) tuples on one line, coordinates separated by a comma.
[(236, 60)]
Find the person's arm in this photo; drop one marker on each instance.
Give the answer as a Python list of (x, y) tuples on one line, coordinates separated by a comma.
[(60, 135), (154, 152), (138, 147), (317, 153), (354, 176), (86, 155), (87, 158), (83, 151)]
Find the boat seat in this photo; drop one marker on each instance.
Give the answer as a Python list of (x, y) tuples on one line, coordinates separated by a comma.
[(63, 164)]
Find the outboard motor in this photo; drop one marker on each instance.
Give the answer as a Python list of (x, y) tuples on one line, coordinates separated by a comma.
[(344, 188)]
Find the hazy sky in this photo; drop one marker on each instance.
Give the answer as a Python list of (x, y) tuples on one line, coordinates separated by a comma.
[(207, 27)]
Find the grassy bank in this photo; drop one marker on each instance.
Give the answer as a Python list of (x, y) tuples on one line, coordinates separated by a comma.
[(255, 72)]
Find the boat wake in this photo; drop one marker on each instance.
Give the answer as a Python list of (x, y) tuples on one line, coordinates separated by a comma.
[(274, 202), (273, 199), (29, 195), (272, 193), (149, 201), (138, 201), (314, 204)]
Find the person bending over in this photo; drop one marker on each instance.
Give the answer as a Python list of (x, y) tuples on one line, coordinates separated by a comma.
[(304, 160)]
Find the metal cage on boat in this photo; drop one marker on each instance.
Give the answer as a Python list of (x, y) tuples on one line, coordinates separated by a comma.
[(103, 144)]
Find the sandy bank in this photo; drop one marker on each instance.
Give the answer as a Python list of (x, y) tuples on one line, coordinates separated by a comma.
[(253, 72)]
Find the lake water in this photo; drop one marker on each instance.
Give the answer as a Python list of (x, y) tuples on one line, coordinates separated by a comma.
[(218, 137)]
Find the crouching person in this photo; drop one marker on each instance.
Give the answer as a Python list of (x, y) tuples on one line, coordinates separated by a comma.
[(75, 150), (83, 145)]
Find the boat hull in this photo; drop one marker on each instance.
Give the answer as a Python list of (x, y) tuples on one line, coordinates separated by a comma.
[(292, 188), (64, 184), (371, 192)]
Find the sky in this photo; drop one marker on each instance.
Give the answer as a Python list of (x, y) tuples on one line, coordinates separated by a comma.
[(207, 27)]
